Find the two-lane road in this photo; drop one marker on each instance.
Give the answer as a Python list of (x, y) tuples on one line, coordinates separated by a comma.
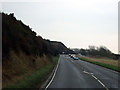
[(79, 74)]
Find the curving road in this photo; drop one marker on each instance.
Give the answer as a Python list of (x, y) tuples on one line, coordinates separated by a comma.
[(79, 74)]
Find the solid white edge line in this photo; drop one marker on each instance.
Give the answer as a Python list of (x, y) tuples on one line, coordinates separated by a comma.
[(53, 75)]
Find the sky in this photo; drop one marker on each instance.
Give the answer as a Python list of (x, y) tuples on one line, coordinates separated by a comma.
[(76, 23)]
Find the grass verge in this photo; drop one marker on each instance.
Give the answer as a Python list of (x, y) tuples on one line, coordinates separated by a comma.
[(102, 64), (37, 77)]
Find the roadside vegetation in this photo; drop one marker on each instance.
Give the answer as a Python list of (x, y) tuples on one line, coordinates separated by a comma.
[(98, 62), (104, 60), (25, 53), (97, 52), (99, 55), (35, 78)]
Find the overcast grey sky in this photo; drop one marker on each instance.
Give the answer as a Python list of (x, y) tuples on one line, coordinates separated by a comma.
[(76, 23)]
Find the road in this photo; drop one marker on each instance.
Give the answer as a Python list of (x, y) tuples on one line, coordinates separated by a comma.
[(71, 73)]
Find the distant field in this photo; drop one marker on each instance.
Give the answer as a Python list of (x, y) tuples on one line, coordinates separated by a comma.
[(102, 61)]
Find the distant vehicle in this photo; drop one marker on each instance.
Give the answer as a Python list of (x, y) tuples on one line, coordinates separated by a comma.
[(72, 55), (75, 58), (69, 54)]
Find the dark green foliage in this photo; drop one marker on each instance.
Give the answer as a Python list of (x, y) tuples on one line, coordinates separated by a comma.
[(83, 52), (101, 51), (17, 36)]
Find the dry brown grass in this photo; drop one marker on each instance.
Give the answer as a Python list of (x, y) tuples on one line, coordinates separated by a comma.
[(17, 66), (103, 60)]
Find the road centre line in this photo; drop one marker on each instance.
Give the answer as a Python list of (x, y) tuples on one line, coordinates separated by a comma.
[(83, 71), (96, 79), (100, 82)]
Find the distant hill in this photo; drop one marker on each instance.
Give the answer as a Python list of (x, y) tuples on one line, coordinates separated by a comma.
[(18, 36)]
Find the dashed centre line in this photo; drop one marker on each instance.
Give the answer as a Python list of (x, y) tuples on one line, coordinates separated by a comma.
[(96, 79)]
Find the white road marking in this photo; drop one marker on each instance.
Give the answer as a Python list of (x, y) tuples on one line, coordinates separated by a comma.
[(100, 82), (53, 75), (83, 71), (96, 79), (101, 66), (87, 72)]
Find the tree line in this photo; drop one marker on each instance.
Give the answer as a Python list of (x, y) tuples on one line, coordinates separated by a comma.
[(95, 51)]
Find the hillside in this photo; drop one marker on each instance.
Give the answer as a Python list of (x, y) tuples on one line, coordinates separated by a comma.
[(18, 36), (23, 51)]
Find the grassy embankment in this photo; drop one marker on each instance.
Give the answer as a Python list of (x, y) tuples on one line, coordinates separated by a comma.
[(37, 77), (111, 64)]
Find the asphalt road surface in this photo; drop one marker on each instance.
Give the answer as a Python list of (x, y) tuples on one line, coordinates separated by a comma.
[(71, 73)]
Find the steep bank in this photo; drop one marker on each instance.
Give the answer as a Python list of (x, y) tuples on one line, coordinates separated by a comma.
[(22, 51), (17, 66)]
